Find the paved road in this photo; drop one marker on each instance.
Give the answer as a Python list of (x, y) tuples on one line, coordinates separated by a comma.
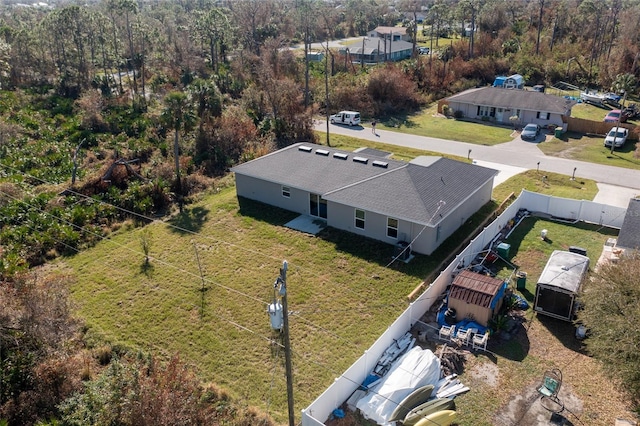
[(616, 184)]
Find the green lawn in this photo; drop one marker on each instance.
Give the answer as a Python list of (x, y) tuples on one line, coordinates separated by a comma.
[(591, 149), (341, 294), (427, 123)]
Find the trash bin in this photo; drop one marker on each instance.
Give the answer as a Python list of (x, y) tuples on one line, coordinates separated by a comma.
[(503, 250), (558, 132), (521, 280)]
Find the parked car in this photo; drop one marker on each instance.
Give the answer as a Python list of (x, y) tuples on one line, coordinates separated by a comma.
[(352, 118), (530, 132), (614, 115), (616, 136), (423, 50), (612, 97)]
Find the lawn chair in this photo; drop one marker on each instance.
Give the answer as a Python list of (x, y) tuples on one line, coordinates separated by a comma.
[(447, 332), (549, 389), (479, 341), (464, 336)]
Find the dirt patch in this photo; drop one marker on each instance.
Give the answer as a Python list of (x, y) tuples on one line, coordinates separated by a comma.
[(486, 372)]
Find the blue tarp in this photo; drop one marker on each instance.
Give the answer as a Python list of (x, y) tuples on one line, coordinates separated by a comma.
[(499, 295), (460, 325)]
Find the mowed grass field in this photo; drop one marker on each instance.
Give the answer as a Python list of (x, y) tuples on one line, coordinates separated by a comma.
[(341, 296), (205, 291)]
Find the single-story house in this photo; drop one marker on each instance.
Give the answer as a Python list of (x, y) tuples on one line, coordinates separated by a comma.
[(477, 297), (421, 202), (629, 235), (499, 105), (390, 33), (377, 49)]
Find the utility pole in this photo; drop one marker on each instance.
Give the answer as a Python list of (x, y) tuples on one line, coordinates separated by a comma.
[(282, 282)]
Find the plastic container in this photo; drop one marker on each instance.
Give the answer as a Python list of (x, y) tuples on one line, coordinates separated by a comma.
[(521, 280), (503, 250)]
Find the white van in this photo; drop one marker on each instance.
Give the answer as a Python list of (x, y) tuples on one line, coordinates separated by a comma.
[(352, 118)]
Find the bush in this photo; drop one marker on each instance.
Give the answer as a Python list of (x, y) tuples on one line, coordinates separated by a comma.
[(458, 114)]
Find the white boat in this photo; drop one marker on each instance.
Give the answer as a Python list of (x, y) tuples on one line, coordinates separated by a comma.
[(592, 97)]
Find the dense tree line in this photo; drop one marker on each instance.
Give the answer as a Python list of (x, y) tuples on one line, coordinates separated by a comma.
[(146, 103)]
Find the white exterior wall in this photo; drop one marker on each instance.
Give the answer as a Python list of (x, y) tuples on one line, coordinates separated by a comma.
[(320, 409)]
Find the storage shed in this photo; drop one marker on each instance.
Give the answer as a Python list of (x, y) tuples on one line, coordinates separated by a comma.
[(476, 296), (559, 284), (515, 81)]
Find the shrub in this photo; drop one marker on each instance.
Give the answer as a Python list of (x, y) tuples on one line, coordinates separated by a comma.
[(458, 114)]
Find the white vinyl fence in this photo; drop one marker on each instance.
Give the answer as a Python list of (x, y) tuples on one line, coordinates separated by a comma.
[(561, 208)]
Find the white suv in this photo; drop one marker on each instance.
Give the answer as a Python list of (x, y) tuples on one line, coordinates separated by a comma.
[(352, 118)]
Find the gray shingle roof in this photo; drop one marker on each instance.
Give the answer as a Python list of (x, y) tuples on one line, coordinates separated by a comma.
[(373, 45), (403, 190), (312, 172), (629, 236), (415, 192), (513, 98)]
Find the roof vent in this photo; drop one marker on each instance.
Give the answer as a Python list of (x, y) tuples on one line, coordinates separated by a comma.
[(361, 160), (322, 152), (340, 156), (304, 148), (379, 163)]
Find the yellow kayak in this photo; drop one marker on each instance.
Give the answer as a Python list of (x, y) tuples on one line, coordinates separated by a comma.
[(440, 418)]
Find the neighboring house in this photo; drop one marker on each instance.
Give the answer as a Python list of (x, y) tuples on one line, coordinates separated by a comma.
[(422, 202), (629, 236), (376, 49), (390, 33), (498, 105)]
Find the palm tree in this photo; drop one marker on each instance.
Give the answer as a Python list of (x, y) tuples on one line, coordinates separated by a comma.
[(178, 115), (624, 83)]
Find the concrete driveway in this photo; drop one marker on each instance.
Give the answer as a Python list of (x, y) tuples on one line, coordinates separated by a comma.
[(617, 185)]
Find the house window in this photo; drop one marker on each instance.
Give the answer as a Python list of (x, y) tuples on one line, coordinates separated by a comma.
[(392, 227), (543, 115), (286, 191), (360, 219), (485, 111)]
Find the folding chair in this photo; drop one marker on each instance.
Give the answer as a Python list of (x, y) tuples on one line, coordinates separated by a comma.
[(549, 389)]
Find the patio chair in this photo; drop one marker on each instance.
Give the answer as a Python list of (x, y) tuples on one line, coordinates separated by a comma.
[(464, 336), (479, 341), (447, 332), (549, 389)]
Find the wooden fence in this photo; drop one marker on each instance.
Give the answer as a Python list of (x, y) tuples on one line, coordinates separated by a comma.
[(591, 127)]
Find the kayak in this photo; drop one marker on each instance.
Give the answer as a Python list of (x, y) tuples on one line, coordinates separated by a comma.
[(415, 398), (429, 407)]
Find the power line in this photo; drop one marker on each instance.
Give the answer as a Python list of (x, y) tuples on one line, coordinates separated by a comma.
[(188, 231), (225, 319)]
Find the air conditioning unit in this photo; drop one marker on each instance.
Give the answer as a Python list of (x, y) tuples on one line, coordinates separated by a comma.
[(402, 251)]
